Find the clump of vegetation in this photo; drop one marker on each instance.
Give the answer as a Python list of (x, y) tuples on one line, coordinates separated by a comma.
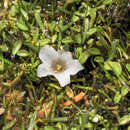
[(96, 33)]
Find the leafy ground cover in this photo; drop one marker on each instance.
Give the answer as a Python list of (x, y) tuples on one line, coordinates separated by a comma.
[(97, 33)]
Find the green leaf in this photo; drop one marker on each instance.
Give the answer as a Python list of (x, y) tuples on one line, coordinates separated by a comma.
[(117, 97), (67, 40), (85, 29), (89, 126), (128, 35), (107, 2), (54, 38), (75, 18), (14, 10), (112, 51), (78, 38), (9, 125), (128, 67), (23, 53), (105, 94), (58, 119), (99, 59), (39, 22), (124, 120), (52, 26), (61, 126), (104, 43), (44, 42), (32, 121), (2, 64), (27, 36), (124, 90), (4, 48), (63, 27), (2, 26), (82, 57), (24, 13), (107, 66), (16, 47), (90, 41), (92, 13), (115, 66), (49, 128), (91, 31), (36, 35), (78, 52), (21, 25), (94, 51)]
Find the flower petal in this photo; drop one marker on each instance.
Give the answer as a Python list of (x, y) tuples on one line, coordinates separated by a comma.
[(63, 78), (48, 54), (74, 67), (66, 56), (43, 70)]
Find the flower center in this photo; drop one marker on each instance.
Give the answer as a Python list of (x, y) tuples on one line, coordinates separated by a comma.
[(58, 66)]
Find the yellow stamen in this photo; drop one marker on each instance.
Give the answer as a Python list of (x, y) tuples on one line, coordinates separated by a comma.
[(59, 67)]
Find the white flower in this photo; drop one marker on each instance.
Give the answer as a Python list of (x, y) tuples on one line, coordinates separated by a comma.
[(59, 64)]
